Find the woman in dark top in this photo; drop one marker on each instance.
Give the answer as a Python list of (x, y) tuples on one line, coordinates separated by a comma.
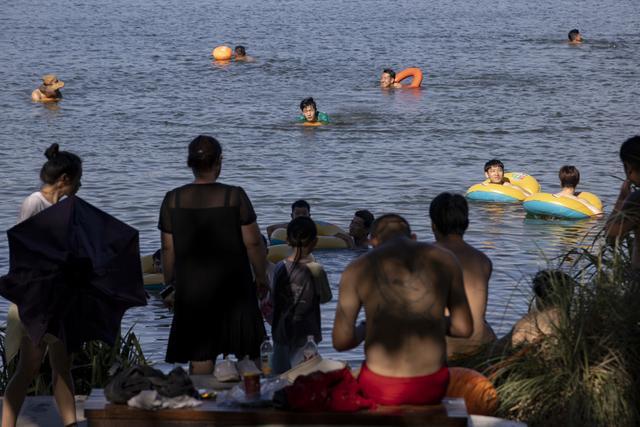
[(210, 241)]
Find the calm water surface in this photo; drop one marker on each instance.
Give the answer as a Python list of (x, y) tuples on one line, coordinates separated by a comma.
[(500, 82)]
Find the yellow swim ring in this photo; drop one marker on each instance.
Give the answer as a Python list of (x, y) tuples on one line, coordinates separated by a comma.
[(488, 192), (326, 236), (546, 204)]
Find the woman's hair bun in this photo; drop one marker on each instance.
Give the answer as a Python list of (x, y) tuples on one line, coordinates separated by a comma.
[(52, 151)]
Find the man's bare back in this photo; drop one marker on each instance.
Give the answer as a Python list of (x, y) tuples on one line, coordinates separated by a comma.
[(476, 271), (404, 287)]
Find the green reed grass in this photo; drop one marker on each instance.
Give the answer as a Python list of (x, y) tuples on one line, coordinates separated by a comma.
[(90, 366), (587, 372)]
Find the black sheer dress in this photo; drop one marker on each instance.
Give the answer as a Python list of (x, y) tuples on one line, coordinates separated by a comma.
[(216, 310)]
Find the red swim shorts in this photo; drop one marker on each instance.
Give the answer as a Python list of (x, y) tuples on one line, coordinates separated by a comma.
[(422, 390)]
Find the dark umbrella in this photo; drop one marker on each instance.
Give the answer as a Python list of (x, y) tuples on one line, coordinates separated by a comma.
[(73, 272)]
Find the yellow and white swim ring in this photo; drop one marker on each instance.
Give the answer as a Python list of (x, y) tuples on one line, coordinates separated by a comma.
[(488, 192), (546, 204), (326, 236)]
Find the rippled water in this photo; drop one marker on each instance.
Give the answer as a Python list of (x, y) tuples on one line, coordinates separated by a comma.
[(500, 82)]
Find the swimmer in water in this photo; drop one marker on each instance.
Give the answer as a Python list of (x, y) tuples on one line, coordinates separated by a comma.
[(569, 178), (49, 90), (575, 37), (310, 113), (494, 172), (388, 79), (240, 54)]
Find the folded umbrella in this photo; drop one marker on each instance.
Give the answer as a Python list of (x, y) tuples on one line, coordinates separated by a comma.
[(73, 272)]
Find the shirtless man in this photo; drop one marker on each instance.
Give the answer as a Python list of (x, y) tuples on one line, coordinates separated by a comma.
[(359, 228), (405, 287), (494, 171), (625, 216), (49, 90), (388, 79), (449, 220), (569, 178), (575, 37), (298, 208)]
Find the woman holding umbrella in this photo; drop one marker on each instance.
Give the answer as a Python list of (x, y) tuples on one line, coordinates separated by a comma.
[(210, 242), (61, 176)]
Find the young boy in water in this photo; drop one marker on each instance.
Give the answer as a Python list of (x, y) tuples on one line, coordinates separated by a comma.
[(625, 216), (494, 172), (240, 54), (569, 178), (310, 113), (300, 285)]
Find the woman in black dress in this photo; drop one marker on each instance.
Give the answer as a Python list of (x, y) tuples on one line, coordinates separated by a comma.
[(210, 241)]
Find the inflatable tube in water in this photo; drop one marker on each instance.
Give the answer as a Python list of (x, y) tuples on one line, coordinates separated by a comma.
[(480, 396), (487, 192), (326, 239), (416, 73), (152, 281), (561, 207)]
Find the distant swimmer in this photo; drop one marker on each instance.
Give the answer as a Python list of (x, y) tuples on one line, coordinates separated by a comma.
[(49, 90), (569, 178), (240, 54), (494, 171), (388, 79), (575, 37), (310, 114)]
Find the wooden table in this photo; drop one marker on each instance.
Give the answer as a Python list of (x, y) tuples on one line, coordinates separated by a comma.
[(100, 413)]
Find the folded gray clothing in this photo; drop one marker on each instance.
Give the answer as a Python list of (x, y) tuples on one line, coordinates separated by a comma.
[(129, 382)]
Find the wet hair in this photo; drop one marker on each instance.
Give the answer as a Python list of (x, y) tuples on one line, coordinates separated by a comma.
[(240, 50), (630, 151), (204, 153), (390, 72), (493, 162), (300, 204), (449, 213), (301, 232), (573, 34), (388, 226), (60, 163), (306, 102), (569, 176), (550, 285), (366, 216)]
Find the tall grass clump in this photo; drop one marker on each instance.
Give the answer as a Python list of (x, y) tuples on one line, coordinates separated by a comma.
[(90, 366), (586, 372)]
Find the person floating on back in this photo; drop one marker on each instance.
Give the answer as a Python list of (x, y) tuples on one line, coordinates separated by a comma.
[(310, 114), (569, 178), (49, 90), (300, 285), (494, 172), (405, 287), (625, 216), (449, 220), (575, 37)]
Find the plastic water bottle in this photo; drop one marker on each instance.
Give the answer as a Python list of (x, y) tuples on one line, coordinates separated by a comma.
[(310, 349), (266, 356)]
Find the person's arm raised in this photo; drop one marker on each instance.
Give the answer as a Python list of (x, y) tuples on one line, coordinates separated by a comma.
[(460, 320), (349, 304), (257, 256)]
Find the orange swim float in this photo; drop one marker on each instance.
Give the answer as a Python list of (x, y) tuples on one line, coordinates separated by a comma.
[(478, 391), (416, 73), (221, 53)]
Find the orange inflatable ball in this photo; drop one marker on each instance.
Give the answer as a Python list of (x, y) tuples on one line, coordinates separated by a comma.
[(478, 391), (222, 53)]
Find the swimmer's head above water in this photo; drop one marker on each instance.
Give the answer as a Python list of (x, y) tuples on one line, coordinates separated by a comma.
[(309, 109), (575, 37), (494, 171), (388, 79)]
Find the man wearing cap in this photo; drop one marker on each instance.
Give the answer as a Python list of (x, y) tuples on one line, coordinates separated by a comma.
[(49, 90)]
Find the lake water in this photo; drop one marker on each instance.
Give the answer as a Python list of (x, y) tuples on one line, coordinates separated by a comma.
[(500, 81)]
